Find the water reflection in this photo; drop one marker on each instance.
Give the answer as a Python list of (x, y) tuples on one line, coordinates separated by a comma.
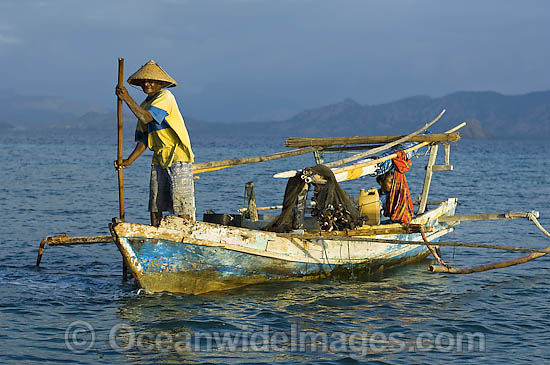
[(394, 301)]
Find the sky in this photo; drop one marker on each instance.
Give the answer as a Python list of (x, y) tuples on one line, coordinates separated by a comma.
[(248, 60)]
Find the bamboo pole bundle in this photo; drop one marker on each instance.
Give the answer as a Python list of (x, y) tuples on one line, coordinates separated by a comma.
[(392, 156), (341, 141), (388, 145), (291, 173)]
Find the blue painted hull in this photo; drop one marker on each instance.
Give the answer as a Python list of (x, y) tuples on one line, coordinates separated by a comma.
[(186, 257), (155, 255), (180, 267)]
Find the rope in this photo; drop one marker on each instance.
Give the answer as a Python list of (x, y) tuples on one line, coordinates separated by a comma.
[(326, 255), (432, 250), (532, 216)]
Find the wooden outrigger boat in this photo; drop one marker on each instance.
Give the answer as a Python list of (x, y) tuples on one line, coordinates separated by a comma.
[(231, 251), (227, 251), (184, 257)]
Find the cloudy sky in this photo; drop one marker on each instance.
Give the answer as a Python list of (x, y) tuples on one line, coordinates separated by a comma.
[(267, 59)]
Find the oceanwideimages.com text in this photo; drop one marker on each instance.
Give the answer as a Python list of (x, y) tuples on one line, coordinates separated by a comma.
[(80, 337)]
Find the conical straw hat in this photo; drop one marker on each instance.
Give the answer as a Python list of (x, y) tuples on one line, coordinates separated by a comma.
[(151, 71)]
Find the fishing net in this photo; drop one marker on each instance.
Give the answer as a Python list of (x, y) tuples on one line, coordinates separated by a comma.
[(284, 222), (334, 209)]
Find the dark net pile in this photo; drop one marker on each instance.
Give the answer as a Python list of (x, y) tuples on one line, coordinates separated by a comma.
[(334, 209)]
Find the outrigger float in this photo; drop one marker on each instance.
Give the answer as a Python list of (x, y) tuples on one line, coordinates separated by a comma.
[(226, 251)]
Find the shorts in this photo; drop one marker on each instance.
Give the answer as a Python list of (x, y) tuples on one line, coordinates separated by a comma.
[(171, 189)]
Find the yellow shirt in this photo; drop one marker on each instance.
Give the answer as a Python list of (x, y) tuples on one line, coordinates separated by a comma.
[(166, 135)]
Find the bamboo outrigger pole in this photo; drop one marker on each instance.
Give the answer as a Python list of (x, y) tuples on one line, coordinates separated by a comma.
[(532, 216), (63, 240)]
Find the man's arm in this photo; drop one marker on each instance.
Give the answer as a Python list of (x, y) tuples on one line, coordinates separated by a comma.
[(138, 111), (140, 148)]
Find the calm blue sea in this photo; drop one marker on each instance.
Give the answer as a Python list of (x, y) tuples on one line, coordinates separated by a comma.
[(76, 309)]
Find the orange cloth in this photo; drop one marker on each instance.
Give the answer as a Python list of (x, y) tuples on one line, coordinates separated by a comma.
[(399, 206)]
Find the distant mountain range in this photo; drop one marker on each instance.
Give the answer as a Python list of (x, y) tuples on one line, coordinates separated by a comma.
[(489, 115), (29, 112)]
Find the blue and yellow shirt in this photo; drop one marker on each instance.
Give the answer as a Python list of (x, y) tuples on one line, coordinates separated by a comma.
[(166, 135)]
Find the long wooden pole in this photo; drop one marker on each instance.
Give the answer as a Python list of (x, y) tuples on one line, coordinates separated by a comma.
[(120, 138), (119, 158), (274, 207), (218, 165), (488, 216)]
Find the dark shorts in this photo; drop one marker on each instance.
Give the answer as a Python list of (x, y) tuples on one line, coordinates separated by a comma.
[(172, 190)]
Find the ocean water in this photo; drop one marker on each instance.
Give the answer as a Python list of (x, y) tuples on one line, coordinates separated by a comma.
[(75, 308)]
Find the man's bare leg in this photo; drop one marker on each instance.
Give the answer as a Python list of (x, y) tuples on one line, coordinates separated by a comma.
[(156, 217)]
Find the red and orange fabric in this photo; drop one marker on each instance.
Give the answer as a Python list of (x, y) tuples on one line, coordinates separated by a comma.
[(399, 206)]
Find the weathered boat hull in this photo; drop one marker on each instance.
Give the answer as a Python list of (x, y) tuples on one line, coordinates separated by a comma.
[(182, 257), (194, 269)]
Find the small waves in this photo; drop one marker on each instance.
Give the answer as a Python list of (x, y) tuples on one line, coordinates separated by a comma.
[(406, 315)]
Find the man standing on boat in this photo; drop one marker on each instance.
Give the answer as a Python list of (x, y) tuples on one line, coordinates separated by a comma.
[(161, 128)]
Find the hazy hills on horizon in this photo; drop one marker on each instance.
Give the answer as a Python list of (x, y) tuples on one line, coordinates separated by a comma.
[(489, 115)]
